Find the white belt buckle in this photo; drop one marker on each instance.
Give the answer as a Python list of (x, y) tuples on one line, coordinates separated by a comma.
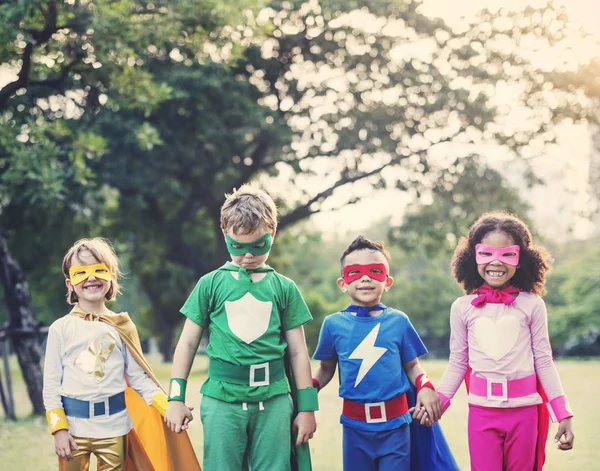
[(381, 406), (259, 366), (106, 411), (504, 396)]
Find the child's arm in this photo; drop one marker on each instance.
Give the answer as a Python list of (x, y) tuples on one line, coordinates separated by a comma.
[(458, 362), (549, 378), (325, 373), (57, 420), (178, 414), (427, 399), (143, 384), (298, 354)]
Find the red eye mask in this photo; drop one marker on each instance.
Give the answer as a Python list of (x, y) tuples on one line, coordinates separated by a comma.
[(485, 254), (375, 271)]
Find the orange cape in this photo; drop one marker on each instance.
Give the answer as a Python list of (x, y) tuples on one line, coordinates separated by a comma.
[(151, 446)]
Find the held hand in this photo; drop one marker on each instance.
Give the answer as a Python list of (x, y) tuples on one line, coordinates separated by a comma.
[(64, 443), (428, 399), (306, 425), (564, 435), (420, 416), (187, 420), (178, 416)]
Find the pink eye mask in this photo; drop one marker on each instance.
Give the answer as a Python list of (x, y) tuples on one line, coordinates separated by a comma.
[(375, 271), (486, 254)]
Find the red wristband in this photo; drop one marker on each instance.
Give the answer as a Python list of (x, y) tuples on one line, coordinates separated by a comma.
[(316, 384), (423, 381)]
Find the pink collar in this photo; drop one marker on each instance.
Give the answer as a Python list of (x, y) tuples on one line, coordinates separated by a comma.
[(487, 294)]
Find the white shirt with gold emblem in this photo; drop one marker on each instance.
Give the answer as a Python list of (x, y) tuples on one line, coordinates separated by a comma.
[(88, 361)]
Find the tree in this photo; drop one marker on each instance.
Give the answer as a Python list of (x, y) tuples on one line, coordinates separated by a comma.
[(574, 300), (66, 60), (376, 116), (458, 197), (296, 89)]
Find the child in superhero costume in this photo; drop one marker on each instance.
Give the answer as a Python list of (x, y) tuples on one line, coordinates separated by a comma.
[(255, 316), (499, 345), (92, 355), (377, 350)]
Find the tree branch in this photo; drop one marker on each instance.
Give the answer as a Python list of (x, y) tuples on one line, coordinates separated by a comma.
[(40, 37), (263, 145), (304, 211)]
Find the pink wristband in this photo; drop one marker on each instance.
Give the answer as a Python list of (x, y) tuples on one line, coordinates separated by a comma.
[(316, 384), (445, 401), (559, 409)]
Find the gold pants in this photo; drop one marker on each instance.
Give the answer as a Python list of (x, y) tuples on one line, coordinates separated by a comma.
[(110, 453)]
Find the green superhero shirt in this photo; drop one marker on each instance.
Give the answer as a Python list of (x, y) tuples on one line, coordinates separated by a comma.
[(246, 321)]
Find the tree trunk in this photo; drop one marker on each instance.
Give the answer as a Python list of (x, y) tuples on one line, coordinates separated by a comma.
[(166, 343), (22, 328)]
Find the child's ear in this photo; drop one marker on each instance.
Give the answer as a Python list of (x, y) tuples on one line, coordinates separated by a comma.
[(388, 283), (341, 284)]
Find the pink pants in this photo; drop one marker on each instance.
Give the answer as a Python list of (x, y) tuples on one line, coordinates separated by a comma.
[(502, 439)]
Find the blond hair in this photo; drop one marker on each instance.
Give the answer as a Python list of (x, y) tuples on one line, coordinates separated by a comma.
[(102, 251), (248, 209)]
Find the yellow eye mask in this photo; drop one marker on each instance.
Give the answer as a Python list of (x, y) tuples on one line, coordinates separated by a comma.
[(80, 273)]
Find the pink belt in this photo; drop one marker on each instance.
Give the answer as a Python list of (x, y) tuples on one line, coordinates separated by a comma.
[(501, 389)]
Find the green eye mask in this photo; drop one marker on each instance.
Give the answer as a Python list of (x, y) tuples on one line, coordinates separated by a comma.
[(256, 247)]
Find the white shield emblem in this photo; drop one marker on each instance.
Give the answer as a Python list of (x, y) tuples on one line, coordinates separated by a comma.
[(248, 318), (497, 338)]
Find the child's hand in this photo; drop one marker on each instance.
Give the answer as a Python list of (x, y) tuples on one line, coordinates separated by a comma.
[(420, 416), (429, 399), (565, 429), (306, 425), (63, 444), (178, 416)]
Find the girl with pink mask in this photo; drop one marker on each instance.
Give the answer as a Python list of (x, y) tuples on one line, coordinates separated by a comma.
[(499, 345)]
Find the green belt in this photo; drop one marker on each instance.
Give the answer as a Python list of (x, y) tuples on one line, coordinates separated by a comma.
[(261, 374)]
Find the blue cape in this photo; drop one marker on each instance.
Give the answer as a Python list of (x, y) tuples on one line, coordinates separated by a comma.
[(429, 450)]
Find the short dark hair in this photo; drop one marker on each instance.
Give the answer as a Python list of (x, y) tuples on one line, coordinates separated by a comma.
[(360, 243), (534, 261)]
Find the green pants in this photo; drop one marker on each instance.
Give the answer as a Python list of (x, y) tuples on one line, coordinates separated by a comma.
[(253, 435)]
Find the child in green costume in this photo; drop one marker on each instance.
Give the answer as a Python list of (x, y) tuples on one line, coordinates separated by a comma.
[(255, 316)]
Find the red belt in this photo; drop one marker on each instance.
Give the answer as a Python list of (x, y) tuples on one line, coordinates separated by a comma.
[(375, 412)]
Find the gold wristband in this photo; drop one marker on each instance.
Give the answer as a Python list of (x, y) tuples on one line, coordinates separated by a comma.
[(57, 420), (160, 402)]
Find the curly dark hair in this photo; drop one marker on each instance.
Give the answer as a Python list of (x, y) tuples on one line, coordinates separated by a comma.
[(534, 261), (361, 243)]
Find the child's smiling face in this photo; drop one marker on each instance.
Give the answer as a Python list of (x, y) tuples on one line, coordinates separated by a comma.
[(495, 273), (92, 290), (365, 291)]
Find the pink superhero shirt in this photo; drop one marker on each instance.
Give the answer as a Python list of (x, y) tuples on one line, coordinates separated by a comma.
[(502, 341)]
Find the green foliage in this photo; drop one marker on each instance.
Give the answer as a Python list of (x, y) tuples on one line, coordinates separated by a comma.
[(574, 302), (459, 195), (131, 120)]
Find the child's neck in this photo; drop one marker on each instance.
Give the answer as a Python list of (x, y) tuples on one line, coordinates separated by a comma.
[(97, 308), (262, 265), (372, 312)]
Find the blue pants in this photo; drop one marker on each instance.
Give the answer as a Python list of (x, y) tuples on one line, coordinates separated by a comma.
[(388, 450)]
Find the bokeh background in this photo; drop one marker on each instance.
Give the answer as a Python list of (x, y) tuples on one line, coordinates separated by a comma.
[(399, 120)]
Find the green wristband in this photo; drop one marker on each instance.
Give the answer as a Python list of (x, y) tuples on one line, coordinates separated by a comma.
[(177, 389), (307, 400)]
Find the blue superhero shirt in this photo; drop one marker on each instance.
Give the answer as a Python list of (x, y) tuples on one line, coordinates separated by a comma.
[(370, 352)]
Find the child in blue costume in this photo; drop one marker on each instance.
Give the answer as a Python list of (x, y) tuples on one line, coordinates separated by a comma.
[(377, 350), (255, 316)]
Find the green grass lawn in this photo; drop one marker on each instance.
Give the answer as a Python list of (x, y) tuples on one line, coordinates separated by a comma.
[(26, 445)]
